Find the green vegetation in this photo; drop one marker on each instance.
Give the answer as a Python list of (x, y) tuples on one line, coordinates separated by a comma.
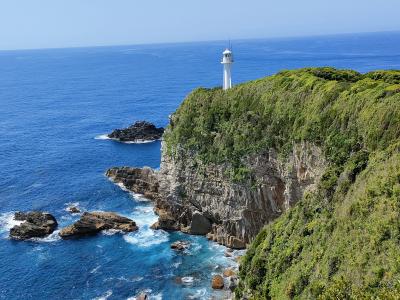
[(342, 241)]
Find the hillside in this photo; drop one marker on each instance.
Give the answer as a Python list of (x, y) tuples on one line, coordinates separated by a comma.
[(340, 240)]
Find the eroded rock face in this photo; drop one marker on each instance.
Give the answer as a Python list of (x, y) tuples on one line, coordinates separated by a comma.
[(93, 222), (35, 224), (201, 199), (138, 180), (237, 211), (140, 131), (199, 225)]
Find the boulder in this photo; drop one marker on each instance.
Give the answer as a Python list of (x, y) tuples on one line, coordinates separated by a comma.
[(229, 272), (140, 131), (35, 224), (228, 254), (200, 225), (180, 245), (217, 282), (93, 222), (73, 209)]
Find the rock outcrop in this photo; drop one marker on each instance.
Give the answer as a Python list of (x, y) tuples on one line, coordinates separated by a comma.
[(141, 181), (180, 245), (73, 209), (34, 224), (140, 131), (93, 222), (202, 199)]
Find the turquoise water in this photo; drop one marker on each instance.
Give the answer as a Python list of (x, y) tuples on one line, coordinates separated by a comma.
[(53, 105)]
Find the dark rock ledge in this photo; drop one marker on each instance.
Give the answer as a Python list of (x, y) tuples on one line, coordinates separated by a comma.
[(35, 224), (94, 222), (140, 131)]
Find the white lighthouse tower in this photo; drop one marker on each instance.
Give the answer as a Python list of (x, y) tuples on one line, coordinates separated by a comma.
[(227, 60)]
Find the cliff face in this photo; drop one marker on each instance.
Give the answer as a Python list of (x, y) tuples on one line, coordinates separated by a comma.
[(201, 199), (236, 211)]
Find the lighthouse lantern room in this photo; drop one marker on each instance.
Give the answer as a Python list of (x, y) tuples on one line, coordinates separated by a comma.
[(227, 60)]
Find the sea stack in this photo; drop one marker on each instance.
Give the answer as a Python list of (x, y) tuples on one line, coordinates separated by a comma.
[(141, 131), (94, 222), (34, 224)]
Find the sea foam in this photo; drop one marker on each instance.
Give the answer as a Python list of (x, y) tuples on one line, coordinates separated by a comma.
[(146, 237), (106, 137), (105, 296), (7, 222)]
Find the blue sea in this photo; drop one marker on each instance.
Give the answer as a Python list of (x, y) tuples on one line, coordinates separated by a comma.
[(56, 104)]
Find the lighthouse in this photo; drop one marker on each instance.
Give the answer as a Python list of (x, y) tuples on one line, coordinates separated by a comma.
[(227, 61)]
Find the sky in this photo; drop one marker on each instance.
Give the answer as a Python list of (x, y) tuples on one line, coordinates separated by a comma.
[(28, 24)]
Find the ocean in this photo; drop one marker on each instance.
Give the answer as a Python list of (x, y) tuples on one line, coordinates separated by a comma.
[(55, 104)]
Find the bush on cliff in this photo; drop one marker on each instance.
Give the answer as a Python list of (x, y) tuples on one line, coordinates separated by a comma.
[(343, 240)]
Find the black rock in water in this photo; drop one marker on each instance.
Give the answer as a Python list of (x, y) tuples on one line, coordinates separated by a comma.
[(93, 222), (140, 131), (36, 224)]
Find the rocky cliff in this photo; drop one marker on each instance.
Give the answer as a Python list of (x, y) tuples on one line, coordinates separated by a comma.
[(302, 167), (236, 211), (202, 199)]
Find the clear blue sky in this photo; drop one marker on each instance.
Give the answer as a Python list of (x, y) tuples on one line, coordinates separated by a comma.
[(70, 23)]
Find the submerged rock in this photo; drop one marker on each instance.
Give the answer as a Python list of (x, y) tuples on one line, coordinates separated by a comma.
[(217, 282), (140, 131), (73, 209), (35, 224), (93, 222), (180, 245)]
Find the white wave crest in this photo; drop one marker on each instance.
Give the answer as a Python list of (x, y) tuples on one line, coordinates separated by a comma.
[(144, 216), (102, 137), (110, 231), (200, 294), (95, 269), (7, 222), (187, 280), (54, 237), (105, 296), (106, 137), (139, 197), (139, 141), (146, 237)]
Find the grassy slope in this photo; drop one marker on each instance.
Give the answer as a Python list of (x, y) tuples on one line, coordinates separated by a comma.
[(345, 237)]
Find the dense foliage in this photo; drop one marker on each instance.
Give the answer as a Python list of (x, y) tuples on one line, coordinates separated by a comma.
[(342, 241)]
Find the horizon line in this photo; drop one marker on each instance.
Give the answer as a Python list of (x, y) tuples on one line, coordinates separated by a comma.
[(201, 41)]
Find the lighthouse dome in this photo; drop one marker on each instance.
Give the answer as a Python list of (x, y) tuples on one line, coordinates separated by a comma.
[(227, 57)]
